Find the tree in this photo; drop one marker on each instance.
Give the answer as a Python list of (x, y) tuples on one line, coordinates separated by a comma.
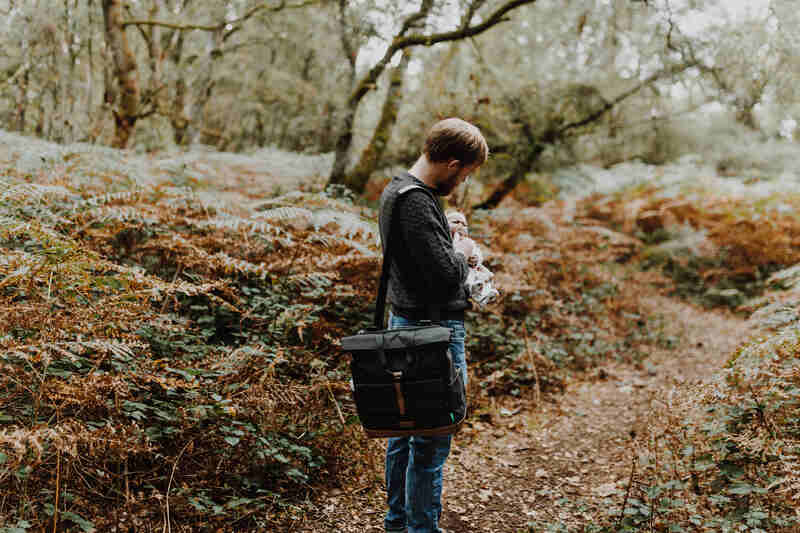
[(401, 40), (135, 104), (549, 108), (580, 106), (122, 91), (741, 58)]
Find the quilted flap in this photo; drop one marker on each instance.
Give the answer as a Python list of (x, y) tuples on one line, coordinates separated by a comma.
[(393, 339)]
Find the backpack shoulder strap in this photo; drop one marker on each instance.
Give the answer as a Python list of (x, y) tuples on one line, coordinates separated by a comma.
[(380, 303)]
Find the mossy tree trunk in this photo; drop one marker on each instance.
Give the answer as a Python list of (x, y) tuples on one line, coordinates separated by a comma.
[(125, 104), (373, 153), (177, 117), (525, 156), (22, 102)]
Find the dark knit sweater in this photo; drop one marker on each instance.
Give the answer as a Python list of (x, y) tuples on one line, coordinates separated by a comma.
[(425, 270)]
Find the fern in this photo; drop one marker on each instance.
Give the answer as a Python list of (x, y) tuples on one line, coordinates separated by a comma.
[(233, 223), (334, 262), (26, 192), (120, 213), (308, 200), (231, 264), (13, 227), (293, 197), (329, 240), (352, 225), (284, 214), (122, 197), (314, 279)]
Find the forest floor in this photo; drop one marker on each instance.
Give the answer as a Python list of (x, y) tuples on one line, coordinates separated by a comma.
[(553, 466)]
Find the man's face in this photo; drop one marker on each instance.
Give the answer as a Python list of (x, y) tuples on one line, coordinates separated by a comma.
[(455, 176)]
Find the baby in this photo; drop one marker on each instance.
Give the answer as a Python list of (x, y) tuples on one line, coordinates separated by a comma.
[(479, 279)]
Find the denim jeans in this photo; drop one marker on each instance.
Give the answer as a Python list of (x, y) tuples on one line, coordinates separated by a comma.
[(414, 464)]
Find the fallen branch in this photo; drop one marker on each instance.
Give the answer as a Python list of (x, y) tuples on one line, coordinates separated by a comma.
[(167, 525), (335, 403), (537, 389), (627, 493)]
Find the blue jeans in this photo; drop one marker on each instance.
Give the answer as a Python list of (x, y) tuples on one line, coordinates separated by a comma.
[(414, 464)]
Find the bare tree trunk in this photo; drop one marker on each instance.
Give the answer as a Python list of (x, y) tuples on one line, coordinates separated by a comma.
[(56, 122), (745, 115), (22, 103), (177, 115), (357, 180), (40, 121), (327, 130), (126, 106), (74, 87), (90, 82), (154, 52), (206, 85), (343, 142), (525, 155)]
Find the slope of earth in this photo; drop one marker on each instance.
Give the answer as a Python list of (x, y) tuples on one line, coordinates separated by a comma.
[(556, 466)]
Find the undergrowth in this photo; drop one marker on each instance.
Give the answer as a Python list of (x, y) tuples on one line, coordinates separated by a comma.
[(718, 249), (724, 457), (170, 345)]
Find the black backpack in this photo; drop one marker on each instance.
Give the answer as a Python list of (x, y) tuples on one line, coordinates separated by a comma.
[(404, 379)]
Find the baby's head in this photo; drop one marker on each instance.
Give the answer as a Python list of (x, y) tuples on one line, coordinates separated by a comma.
[(457, 222)]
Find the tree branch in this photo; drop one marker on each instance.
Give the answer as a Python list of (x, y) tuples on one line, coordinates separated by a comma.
[(535, 146), (419, 16), (245, 44), (22, 68), (142, 30), (221, 25), (402, 41), (473, 8), (675, 69)]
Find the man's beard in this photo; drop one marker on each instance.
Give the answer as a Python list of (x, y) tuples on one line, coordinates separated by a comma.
[(447, 186)]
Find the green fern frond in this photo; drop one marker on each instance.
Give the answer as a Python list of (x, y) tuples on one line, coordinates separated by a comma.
[(291, 198), (25, 192), (123, 197), (188, 289), (334, 262), (12, 227), (314, 279), (285, 213), (233, 223), (351, 224), (119, 213), (329, 240), (73, 349), (163, 289), (232, 264), (309, 200), (172, 194)]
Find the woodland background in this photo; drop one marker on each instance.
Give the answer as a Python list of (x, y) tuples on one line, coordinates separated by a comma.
[(187, 227)]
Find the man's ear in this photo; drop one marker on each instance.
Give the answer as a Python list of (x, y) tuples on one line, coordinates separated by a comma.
[(454, 164)]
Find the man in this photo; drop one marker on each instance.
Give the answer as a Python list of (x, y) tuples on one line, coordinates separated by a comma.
[(427, 272)]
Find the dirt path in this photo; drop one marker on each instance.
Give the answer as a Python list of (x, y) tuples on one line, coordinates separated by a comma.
[(527, 468)]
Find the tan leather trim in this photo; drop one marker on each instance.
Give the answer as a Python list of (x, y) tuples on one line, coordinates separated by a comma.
[(432, 432)]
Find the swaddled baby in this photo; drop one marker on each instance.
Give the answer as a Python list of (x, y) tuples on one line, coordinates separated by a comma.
[(479, 279)]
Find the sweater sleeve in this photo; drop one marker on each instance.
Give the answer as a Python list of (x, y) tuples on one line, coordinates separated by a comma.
[(427, 247)]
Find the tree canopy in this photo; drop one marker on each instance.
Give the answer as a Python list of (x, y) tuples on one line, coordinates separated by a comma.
[(551, 82)]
